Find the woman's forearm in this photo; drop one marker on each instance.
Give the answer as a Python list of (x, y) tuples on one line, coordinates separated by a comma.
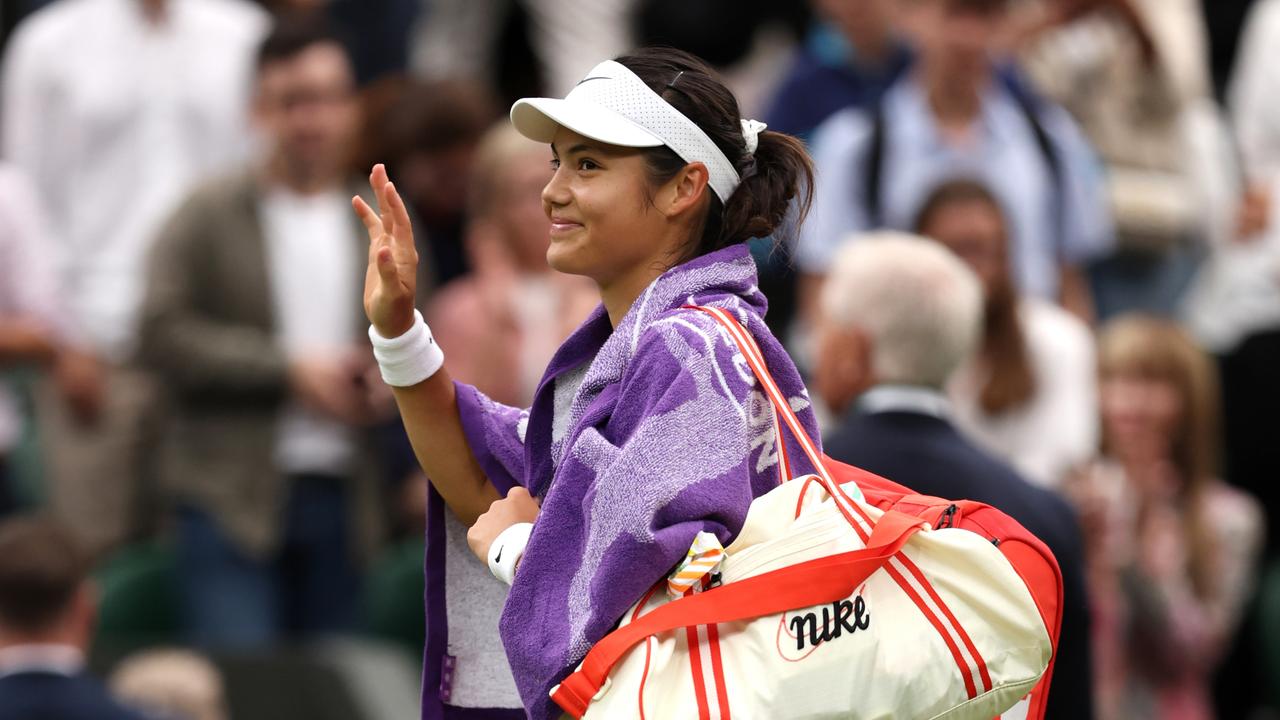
[(431, 419)]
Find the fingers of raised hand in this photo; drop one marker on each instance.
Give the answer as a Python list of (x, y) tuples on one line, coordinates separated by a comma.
[(371, 221), (395, 206), (381, 186)]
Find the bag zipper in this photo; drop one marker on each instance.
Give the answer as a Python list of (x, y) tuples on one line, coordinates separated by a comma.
[(948, 517)]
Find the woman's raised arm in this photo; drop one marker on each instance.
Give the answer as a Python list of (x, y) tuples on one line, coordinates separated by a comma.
[(429, 408)]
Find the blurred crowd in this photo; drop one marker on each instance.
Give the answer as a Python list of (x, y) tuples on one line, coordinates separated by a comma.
[(1041, 260)]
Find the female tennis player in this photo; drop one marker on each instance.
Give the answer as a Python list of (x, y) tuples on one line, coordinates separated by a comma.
[(647, 427)]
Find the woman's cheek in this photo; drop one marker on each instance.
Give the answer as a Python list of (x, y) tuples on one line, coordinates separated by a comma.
[(571, 256)]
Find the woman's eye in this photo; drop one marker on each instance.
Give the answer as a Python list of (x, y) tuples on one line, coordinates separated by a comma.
[(555, 163), (587, 164)]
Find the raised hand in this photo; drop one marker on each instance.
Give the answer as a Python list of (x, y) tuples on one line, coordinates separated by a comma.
[(391, 280)]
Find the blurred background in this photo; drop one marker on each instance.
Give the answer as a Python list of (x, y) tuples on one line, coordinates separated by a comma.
[(185, 388)]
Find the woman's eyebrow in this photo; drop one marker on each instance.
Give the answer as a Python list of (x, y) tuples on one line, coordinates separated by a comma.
[(581, 148)]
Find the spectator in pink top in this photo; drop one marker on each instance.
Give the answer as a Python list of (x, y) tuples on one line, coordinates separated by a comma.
[(1170, 548), (507, 318)]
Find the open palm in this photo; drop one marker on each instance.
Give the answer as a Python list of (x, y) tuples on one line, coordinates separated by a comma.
[(391, 280)]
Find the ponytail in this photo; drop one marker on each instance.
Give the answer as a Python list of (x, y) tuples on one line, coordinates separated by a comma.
[(778, 174), (776, 177)]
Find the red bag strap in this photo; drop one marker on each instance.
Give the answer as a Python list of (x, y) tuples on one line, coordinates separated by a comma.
[(755, 359), (825, 580), (781, 407)]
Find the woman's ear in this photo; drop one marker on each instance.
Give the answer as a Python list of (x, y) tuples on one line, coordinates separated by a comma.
[(685, 191)]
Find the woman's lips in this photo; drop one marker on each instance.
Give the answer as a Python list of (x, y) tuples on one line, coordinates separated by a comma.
[(560, 226)]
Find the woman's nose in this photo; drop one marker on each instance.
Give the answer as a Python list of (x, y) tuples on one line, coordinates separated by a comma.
[(556, 191)]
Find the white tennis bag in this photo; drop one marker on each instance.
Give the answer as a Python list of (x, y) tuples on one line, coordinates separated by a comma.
[(829, 607)]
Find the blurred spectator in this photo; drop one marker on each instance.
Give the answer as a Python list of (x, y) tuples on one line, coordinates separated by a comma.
[(848, 60), (171, 684), (116, 109), (502, 324), (379, 32), (426, 133), (457, 39), (1029, 394), (852, 53), (376, 32), (1171, 549), (1132, 72), (253, 318), (899, 317), (31, 327), (508, 316), (1243, 318), (954, 114), (47, 607)]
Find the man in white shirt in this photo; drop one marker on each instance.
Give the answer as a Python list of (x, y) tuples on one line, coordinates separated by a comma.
[(253, 318), (47, 609), (32, 325), (115, 108)]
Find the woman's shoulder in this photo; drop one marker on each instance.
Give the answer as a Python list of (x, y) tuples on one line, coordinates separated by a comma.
[(683, 329), (684, 339)]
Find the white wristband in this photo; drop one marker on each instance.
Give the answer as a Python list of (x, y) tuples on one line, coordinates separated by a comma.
[(409, 359), (507, 549)]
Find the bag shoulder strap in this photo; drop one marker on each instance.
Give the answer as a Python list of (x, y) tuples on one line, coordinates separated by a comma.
[(1030, 104), (873, 167), (782, 409)]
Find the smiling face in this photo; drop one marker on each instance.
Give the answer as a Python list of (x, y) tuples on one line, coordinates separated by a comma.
[(604, 224)]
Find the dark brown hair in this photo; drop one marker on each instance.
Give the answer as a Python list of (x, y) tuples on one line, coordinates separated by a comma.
[(778, 172), (41, 568), (294, 32), (1010, 380)]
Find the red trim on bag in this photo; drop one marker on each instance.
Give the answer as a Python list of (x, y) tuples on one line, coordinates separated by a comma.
[(644, 675), (717, 668), (648, 648), (782, 627), (964, 636), (784, 462), (966, 669), (961, 664), (804, 489), (695, 664)]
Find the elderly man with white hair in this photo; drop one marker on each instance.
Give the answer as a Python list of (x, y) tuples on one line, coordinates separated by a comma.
[(899, 315)]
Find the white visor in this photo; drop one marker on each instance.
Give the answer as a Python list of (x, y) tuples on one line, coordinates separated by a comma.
[(614, 106)]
